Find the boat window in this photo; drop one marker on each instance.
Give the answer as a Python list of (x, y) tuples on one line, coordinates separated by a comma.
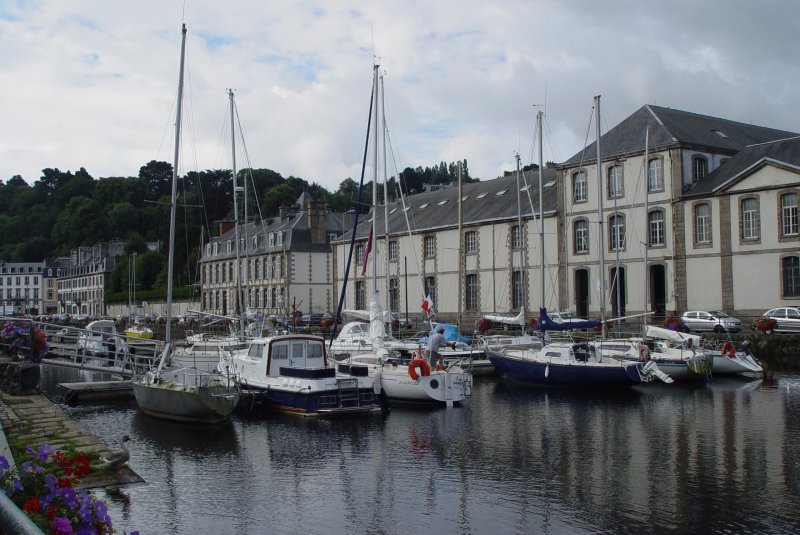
[(552, 354), (255, 352), (297, 350), (280, 351)]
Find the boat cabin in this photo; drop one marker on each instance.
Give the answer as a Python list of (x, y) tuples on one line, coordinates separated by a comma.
[(289, 352)]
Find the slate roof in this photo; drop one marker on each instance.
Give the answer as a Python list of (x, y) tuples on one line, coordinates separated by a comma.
[(296, 234), (439, 209), (784, 152), (673, 128)]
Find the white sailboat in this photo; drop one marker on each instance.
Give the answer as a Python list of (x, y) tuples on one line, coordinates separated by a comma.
[(175, 392), (398, 379)]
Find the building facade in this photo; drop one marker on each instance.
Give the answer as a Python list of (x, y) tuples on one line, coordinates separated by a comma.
[(82, 285), (284, 262), (21, 288)]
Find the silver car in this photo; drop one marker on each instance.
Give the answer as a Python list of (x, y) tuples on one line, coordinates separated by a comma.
[(787, 318), (714, 320)]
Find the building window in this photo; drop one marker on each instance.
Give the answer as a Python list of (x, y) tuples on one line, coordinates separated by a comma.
[(230, 246), (581, 236), (429, 244), (616, 187), (255, 242), (790, 266), (361, 295), (516, 237), (517, 290), (279, 238), (579, 186), (702, 224), (655, 227), (470, 241), (616, 232), (394, 294), (471, 296), (271, 239), (216, 248), (430, 289), (394, 250), (359, 254), (655, 175), (750, 219), (789, 215), (699, 168)]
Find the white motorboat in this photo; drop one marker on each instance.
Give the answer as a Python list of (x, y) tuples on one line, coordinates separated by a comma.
[(292, 373)]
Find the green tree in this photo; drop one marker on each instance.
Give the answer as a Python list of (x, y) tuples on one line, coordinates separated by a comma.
[(274, 198)]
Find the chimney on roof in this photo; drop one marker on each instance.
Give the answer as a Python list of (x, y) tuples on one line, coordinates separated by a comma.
[(283, 211), (225, 226), (316, 221)]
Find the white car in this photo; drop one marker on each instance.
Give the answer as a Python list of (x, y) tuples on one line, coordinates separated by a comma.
[(787, 318)]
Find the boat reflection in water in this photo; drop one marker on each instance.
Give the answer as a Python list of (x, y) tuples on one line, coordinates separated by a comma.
[(721, 457)]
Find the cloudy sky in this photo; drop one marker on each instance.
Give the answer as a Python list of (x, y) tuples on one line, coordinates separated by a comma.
[(92, 83)]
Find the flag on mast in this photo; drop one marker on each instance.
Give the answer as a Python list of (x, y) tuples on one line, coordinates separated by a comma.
[(367, 249), (427, 305)]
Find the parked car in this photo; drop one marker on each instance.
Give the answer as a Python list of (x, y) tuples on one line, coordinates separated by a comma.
[(787, 318), (714, 320)]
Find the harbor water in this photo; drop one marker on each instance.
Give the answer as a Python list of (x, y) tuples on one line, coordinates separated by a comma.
[(717, 458)]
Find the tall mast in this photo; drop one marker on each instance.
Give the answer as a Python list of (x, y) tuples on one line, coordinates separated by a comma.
[(173, 202), (601, 243), (238, 302), (460, 249), (541, 205), (375, 187), (522, 244), (385, 207), (646, 218)]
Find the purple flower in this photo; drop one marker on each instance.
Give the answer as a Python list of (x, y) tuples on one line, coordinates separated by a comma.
[(4, 466), (100, 509), (85, 529), (69, 497), (45, 451), (61, 525), (29, 468)]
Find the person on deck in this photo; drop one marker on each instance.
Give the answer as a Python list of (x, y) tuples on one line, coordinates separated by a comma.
[(434, 343)]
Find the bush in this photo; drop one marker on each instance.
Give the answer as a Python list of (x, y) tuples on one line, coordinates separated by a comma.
[(16, 338), (44, 489)]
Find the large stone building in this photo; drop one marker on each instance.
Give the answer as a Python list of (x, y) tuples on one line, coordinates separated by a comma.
[(285, 261), (706, 214), (21, 288), (82, 284)]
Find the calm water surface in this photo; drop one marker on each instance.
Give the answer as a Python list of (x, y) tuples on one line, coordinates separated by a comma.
[(721, 458)]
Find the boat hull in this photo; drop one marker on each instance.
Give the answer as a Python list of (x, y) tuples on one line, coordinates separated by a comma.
[(317, 403), (568, 374), (441, 387), (181, 401), (740, 363)]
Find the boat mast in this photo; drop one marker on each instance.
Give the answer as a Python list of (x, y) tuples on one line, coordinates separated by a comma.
[(238, 302), (172, 203), (646, 218), (385, 207), (460, 249), (375, 188), (601, 242), (522, 246), (541, 204)]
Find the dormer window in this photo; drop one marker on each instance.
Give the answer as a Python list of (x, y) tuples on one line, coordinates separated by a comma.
[(699, 168), (230, 246), (442, 203), (271, 239), (216, 248), (255, 242), (279, 238)]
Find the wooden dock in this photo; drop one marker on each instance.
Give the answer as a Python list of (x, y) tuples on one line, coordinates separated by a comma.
[(75, 393), (35, 420)]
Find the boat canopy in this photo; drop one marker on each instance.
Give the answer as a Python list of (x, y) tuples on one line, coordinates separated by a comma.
[(451, 333), (519, 319), (546, 324), (673, 336)]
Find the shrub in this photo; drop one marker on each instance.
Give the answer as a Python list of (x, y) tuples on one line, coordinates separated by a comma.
[(43, 488)]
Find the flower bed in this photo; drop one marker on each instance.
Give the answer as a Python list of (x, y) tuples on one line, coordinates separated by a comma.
[(43, 488)]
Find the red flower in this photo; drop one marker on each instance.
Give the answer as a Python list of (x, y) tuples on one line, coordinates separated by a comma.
[(32, 505), (64, 483)]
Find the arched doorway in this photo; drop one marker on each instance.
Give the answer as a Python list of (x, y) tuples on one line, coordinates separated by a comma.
[(581, 285), (617, 295)]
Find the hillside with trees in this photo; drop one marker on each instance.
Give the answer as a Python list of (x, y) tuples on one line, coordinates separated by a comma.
[(63, 210)]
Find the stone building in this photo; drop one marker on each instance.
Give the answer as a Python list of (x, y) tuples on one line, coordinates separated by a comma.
[(21, 288), (83, 283)]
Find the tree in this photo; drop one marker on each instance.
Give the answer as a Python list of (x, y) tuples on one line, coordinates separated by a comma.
[(282, 195), (157, 177)]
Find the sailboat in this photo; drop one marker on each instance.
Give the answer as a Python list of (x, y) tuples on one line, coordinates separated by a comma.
[(180, 393), (397, 378), (572, 364), (135, 329)]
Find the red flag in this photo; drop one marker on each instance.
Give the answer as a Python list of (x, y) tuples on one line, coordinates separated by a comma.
[(427, 304), (367, 249)]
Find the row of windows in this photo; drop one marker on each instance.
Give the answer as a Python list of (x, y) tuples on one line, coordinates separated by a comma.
[(13, 269), (273, 239), (256, 298), (273, 267), (749, 219), (18, 293), (615, 183), (18, 281)]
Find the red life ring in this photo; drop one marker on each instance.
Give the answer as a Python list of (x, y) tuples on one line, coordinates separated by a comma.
[(729, 348), (423, 366)]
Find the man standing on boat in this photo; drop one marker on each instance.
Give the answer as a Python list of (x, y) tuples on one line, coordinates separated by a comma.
[(434, 343)]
